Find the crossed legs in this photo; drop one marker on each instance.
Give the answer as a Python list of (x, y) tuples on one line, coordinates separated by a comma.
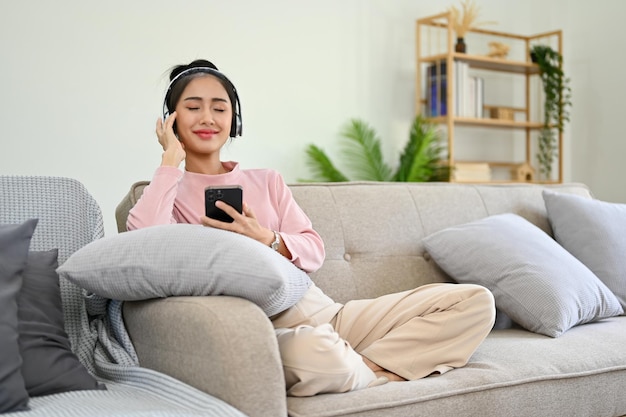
[(406, 335)]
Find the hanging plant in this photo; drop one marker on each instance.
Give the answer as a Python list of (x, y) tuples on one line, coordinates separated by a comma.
[(420, 161), (557, 100)]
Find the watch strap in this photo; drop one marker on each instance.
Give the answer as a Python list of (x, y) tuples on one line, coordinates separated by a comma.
[(276, 243)]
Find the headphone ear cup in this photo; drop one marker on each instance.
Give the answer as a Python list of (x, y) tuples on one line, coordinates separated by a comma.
[(166, 110), (238, 125)]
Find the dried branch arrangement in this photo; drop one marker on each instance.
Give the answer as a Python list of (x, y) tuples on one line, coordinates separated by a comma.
[(465, 19)]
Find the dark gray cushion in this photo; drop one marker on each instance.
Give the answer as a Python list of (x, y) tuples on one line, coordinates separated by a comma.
[(48, 364), (534, 280), (14, 245), (594, 232)]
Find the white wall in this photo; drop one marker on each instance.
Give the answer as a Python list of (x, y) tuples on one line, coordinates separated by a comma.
[(82, 81)]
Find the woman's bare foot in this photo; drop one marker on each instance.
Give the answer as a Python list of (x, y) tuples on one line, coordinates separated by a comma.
[(381, 371)]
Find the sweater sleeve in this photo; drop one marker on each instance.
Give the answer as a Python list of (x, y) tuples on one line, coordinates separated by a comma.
[(156, 205), (296, 230)]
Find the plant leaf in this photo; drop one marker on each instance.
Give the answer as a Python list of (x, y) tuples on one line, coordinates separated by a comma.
[(322, 167), (421, 158), (363, 154)]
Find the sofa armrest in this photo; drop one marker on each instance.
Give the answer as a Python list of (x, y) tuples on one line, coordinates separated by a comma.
[(224, 346)]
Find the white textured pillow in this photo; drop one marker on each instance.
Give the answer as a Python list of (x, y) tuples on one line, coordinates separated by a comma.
[(594, 232), (183, 260), (534, 280)]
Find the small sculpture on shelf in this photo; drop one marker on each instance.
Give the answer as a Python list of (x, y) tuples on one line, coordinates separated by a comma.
[(523, 172), (498, 50)]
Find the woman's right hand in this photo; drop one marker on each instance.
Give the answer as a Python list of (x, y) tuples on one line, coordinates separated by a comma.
[(173, 149)]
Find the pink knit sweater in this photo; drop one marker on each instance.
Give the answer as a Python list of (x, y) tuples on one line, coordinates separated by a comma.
[(177, 197)]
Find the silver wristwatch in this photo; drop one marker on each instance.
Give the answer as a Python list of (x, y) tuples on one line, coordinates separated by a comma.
[(274, 245)]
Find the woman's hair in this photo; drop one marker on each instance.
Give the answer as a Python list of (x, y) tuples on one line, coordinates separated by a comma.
[(181, 75)]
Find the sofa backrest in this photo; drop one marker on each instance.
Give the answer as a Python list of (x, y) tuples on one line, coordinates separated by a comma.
[(69, 218), (372, 231)]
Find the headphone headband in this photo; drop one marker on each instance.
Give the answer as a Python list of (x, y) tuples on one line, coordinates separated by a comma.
[(192, 70), (236, 127)]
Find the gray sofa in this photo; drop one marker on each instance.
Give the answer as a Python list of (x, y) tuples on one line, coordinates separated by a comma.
[(68, 219), (373, 235)]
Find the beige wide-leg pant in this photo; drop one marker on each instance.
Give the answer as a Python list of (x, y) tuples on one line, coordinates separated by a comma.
[(414, 333)]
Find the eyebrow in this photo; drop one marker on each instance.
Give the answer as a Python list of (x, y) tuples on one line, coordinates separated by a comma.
[(200, 99)]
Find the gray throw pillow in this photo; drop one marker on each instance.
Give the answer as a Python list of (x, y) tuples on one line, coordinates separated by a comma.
[(14, 244), (594, 232), (48, 364), (536, 282), (185, 259)]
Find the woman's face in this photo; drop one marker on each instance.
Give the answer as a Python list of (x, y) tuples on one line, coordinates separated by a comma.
[(203, 116)]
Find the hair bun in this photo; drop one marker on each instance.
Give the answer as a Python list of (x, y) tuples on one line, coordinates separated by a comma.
[(194, 64), (202, 63)]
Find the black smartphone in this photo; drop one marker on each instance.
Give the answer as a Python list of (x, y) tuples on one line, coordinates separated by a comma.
[(229, 194)]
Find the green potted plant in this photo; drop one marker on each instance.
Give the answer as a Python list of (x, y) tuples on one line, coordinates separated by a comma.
[(557, 100), (421, 160)]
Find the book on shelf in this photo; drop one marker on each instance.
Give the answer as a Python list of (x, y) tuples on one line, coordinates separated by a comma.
[(480, 97), (459, 88), (471, 171), (437, 90), (468, 91)]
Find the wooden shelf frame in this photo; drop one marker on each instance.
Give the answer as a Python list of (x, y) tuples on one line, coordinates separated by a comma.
[(487, 63), (487, 122), (526, 69)]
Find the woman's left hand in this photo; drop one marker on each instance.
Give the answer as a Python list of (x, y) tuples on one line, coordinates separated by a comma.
[(244, 223)]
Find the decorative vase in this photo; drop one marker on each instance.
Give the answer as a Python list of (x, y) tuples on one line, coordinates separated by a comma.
[(460, 45)]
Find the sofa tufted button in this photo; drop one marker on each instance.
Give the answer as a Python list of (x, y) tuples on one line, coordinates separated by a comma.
[(347, 257), (426, 256)]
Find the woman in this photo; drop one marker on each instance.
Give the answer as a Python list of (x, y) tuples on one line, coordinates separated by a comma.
[(325, 346)]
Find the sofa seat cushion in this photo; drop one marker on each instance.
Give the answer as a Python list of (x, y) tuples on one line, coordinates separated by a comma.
[(514, 372), (121, 401)]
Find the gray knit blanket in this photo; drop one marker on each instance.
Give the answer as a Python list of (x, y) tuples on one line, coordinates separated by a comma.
[(70, 218)]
